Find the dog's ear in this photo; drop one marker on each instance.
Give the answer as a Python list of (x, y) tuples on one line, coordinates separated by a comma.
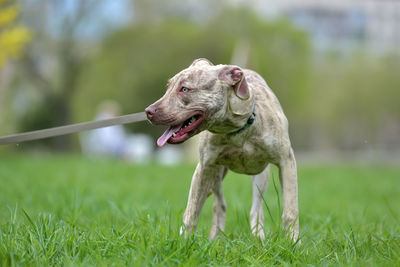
[(201, 61), (235, 76), (239, 97)]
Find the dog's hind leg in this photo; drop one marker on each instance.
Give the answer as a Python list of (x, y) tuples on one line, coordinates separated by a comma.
[(288, 179), (219, 205), (260, 182)]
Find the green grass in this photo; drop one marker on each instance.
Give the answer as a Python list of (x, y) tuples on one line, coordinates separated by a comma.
[(73, 211)]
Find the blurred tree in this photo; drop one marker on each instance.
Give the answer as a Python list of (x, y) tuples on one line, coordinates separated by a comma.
[(133, 65), (355, 103), (13, 37), (52, 63), (332, 101), (368, 103)]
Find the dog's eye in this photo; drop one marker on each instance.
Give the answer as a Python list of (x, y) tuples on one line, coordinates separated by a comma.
[(185, 89)]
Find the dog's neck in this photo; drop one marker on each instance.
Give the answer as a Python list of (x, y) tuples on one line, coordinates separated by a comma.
[(234, 121), (249, 122)]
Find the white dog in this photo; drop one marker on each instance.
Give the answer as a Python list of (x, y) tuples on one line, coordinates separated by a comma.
[(242, 128)]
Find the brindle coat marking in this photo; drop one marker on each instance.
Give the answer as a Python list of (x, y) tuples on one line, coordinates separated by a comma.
[(227, 96)]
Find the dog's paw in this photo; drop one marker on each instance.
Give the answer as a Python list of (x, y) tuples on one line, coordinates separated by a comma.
[(183, 231), (259, 233)]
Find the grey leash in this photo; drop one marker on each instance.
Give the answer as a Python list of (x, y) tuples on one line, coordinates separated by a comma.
[(73, 128)]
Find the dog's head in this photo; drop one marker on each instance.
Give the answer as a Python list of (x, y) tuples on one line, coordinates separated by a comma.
[(201, 97)]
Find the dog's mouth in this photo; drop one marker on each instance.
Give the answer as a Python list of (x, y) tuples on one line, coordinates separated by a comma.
[(176, 134)]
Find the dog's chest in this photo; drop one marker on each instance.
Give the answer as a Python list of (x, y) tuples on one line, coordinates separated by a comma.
[(247, 158)]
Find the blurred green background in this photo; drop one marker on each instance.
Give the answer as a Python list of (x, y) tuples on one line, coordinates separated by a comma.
[(333, 66)]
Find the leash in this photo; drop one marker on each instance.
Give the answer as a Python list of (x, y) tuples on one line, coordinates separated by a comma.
[(72, 128)]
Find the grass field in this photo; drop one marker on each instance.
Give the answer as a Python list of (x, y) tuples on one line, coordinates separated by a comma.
[(73, 211)]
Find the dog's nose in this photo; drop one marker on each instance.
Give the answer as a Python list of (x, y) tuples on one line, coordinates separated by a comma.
[(150, 111)]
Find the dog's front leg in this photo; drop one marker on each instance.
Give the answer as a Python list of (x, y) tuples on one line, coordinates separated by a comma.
[(288, 179), (200, 189), (219, 204)]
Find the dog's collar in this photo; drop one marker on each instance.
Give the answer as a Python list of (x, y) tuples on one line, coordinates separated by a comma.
[(249, 122)]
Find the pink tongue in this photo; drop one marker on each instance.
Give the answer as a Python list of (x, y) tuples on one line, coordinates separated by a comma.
[(167, 135)]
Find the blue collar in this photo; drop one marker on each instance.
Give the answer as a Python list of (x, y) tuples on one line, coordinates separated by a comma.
[(248, 123)]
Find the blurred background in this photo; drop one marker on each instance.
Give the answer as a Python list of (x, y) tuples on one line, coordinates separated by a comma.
[(334, 66)]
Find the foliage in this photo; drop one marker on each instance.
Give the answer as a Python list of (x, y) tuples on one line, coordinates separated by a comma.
[(334, 100), (50, 68), (354, 102), (134, 64), (73, 211), (13, 37)]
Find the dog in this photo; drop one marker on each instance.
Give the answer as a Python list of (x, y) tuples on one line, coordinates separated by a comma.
[(242, 128)]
